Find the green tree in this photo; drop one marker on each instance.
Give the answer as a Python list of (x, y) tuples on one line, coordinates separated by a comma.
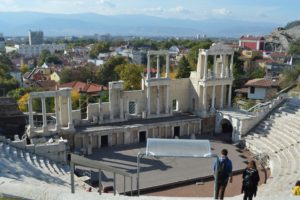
[(194, 51), (107, 72), (100, 47), (294, 47), (42, 57), (238, 72), (131, 74), (256, 73), (184, 69)]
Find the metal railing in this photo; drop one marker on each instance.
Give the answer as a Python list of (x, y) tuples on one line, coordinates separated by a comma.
[(93, 164)]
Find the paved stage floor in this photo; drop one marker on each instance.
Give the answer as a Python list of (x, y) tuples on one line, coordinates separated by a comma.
[(162, 171)]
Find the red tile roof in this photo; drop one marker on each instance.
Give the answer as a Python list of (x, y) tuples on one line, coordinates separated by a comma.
[(261, 82), (89, 88)]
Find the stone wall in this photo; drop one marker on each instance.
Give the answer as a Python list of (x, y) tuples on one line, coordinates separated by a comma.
[(55, 150)]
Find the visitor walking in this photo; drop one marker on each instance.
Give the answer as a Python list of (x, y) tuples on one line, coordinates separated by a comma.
[(250, 181), (224, 173)]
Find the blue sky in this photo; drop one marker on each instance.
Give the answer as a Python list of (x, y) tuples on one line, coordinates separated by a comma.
[(279, 11)]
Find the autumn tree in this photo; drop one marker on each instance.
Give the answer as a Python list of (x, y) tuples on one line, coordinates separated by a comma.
[(24, 68), (131, 74)]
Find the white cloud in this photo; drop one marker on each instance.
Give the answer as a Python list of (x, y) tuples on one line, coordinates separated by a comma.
[(155, 10), (221, 11), (180, 9), (106, 3)]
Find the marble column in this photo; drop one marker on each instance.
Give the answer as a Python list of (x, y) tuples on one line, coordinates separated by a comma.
[(231, 66), (30, 112), (222, 70), (44, 112), (157, 67), (157, 102), (148, 66), (148, 101), (204, 99), (222, 96), (70, 123), (57, 114), (205, 67), (213, 97), (229, 95), (167, 66), (199, 66), (215, 71)]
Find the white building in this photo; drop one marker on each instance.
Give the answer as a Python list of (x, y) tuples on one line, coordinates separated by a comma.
[(260, 88), (36, 50)]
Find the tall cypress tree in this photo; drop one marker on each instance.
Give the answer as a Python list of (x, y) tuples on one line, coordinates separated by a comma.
[(184, 69)]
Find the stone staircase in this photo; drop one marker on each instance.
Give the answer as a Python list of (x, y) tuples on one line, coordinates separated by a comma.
[(21, 172), (278, 136)]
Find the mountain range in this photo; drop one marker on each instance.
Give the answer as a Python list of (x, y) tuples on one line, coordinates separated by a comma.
[(18, 24)]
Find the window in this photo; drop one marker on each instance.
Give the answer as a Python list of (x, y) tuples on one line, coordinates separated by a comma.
[(131, 107), (252, 90), (175, 104)]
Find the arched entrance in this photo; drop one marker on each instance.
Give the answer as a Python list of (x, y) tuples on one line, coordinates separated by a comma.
[(226, 127)]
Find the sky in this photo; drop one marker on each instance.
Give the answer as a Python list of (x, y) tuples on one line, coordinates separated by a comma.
[(276, 11)]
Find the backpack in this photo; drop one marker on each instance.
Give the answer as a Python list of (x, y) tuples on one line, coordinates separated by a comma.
[(222, 172)]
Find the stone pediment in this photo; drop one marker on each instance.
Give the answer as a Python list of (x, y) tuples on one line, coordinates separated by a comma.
[(220, 48)]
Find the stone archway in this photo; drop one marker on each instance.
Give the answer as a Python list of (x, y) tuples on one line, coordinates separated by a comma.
[(226, 127)]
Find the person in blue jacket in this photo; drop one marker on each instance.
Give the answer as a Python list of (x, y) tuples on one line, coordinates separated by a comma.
[(224, 173)]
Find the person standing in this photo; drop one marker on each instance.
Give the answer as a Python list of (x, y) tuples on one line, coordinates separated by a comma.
[(224, 173), (250, 181)]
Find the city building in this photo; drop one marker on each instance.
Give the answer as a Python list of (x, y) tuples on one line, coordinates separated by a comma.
[(252, 43), (36, 37), (29, 51)]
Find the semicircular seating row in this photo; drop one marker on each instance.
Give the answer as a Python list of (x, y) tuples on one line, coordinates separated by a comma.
[(278, 136)]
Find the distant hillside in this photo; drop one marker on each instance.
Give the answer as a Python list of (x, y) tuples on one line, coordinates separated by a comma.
[(282, 37), (18, 23)]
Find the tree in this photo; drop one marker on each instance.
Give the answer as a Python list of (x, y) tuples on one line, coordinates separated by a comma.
[(100, 47), (131, 74), (80, 74), (194, 51), (75, 99), (295, 47), (184, 69), (43, 56), (256, 73), (47, 57), (107, 72), (23, 102), (24, 68), (238, 72)]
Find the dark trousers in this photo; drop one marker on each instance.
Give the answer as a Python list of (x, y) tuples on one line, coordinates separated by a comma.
[(248, 195), (222, 184)]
